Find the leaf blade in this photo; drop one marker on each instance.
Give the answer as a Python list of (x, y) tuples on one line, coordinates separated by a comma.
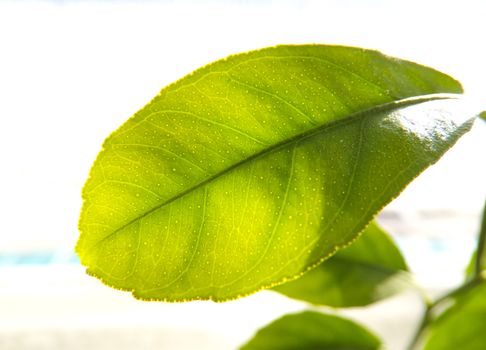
[(175, 230)]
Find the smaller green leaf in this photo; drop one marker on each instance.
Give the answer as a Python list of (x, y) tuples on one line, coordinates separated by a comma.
[(461, 326), (312, 330), (369, 270), (483, 115)]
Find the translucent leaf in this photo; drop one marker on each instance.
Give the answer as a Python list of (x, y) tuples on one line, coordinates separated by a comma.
[(254, 169)]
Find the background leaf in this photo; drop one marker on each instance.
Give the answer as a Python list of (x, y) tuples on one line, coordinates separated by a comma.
[(312, 330), (254, 169), (370, 269), (462, 325)]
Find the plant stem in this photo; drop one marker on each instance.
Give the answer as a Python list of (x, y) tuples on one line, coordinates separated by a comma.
[(481, 246), (459, 290), (476, 279), (429, 309)]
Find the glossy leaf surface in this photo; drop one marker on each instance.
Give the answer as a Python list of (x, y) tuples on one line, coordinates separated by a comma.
[(254, 169), (370, 269), (462, 326), (312, 330)]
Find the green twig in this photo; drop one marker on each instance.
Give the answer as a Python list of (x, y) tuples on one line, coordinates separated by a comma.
[(459, 290), (428, 315), (478, 262), (476, 279)]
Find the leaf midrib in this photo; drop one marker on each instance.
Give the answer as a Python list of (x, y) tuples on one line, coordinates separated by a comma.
[(298, 137)]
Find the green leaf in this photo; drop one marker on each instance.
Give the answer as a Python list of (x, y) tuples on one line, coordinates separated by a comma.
[(370, 269), (483, 115), (310, 331), (461, 326), (254, 169)]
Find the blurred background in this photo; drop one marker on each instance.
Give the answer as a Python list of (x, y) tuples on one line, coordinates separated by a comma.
[(73, 71)]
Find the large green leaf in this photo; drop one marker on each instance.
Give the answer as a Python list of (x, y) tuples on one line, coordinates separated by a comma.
[(254, 169), (461, 326), (369, 270), (310, 331)]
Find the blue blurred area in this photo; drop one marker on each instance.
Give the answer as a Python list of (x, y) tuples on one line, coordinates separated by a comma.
[(37, 258)]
